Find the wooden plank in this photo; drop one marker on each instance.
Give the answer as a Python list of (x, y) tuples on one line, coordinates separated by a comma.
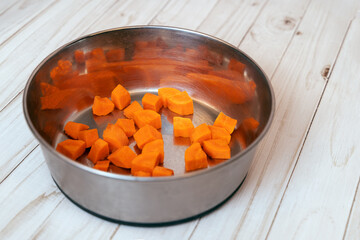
[(320, 194), (15, 16), (298, 86), (353, 229), (16, 139), (231, 20), (186, 14)]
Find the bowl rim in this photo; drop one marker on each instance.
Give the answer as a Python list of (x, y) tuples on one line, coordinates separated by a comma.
[(131, 178)]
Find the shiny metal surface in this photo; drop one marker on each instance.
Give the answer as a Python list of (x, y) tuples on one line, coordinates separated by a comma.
[(117, 195)]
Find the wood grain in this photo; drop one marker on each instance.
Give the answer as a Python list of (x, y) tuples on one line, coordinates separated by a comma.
[(320, 200)]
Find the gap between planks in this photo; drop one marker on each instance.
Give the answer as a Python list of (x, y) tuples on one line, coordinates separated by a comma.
[(351, 209)]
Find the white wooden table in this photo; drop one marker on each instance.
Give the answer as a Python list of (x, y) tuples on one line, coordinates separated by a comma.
[(304, 180)]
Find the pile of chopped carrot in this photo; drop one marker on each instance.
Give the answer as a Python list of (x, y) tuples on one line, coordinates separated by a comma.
[(142, 121)]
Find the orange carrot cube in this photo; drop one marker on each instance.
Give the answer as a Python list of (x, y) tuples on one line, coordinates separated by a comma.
[(115, 136), (122, 157), (145, 162), (165, 93), (141, 174), (71, 148), (183, 127), (225, 122), (181, 103), (72, 129), (217, 148), (131, 109), (127, 125), (79, 56), (220, 133), (152, 102), (162, 172), (120, 97), (195, 158), (200, 133), (102, 106), (98, 151), (145, 135), (250, 124), (155, 146), (89, 136), (102, 165), (147, 117)]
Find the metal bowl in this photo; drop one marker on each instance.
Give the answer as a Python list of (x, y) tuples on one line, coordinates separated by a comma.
[(116, 195)]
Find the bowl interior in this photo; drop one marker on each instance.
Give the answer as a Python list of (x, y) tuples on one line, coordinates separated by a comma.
[(216, 75)]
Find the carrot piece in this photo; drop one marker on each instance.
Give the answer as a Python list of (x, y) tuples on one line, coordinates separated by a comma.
[(181, 103), (120, 97), (122, 157), (115, 136), (162, 172), (98, 151), (165, 93), (79, 56), (102, 106), (102, 165), (145, 162), (155, 146), (89, 136), (200, 133), (127, 125), (61, 71), (72, 129), (220, 133), (131, 109), (141, 174), (236, 65), (47, 89), (195, 158), (225, 122), (152, 102), (183, 127), (98, 54), (71, 148), (145, 135), (250, 124), (115, 55), (146, 116), (217, 148)]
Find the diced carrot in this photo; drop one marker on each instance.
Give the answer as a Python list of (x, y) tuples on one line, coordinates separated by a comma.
[(200, 133), (79, 56), (89, 136), (183, 127), (155, 146), (72, 129), (165, 93), (152, 102), (225, 122), (102, 106), (217, 148), (115, 55), (146, 116), (141, 174), (61, 71), (98, 151), (181, 103), (115, 136), (220, 133), (98, 54), (102, 165), (162, 172), (131, 109), (71, 148), (47, 89), (236, 65), (145, 162), (127, 125), (120, 97), (195, 158), (145, 135), (122, 157), (250, 124)]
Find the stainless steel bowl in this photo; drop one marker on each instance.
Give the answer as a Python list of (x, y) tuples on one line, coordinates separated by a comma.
[(118, 196)]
